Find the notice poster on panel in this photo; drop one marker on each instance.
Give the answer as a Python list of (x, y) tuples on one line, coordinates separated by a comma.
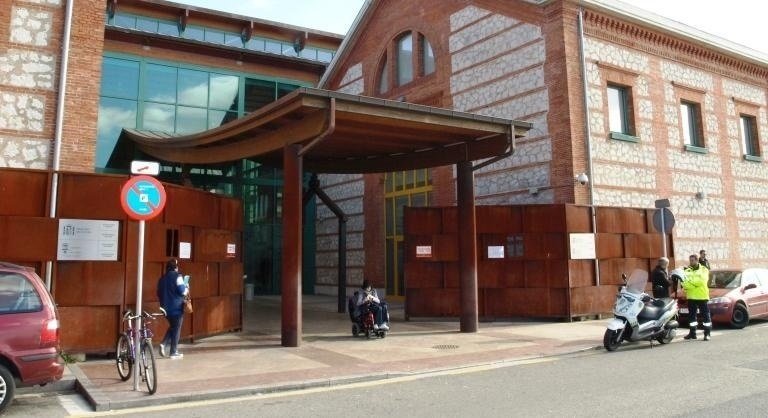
[(583, 246), (88, 240)]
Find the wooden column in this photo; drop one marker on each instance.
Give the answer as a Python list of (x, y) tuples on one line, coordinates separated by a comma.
[(291, 265), (465, 196)]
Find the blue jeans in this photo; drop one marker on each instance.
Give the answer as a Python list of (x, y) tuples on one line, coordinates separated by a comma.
[(380, 313), (174, 332)]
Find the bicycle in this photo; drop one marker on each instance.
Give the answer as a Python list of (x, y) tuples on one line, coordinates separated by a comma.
[(125, 357)]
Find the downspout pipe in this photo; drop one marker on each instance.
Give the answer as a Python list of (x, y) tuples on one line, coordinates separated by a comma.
[(588, 135), (61, 97)]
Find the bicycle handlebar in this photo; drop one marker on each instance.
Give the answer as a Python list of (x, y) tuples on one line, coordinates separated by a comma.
[(129, 315)]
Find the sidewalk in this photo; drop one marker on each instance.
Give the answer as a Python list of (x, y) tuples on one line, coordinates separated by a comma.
[(253, 361)]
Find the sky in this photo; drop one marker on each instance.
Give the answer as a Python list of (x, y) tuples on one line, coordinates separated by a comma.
[(740, 21)]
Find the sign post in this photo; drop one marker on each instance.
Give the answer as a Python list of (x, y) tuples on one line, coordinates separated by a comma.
[(142, 198), (664, 221)]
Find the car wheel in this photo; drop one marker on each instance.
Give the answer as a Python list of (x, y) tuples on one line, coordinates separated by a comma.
[(7, 388), (740, 317)]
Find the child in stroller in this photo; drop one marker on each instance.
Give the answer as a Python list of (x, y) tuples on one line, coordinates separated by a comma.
[(368, 313)]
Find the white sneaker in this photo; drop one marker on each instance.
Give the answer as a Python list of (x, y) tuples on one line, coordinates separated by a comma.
[(162, 351), (384, 327), (375, 327), (177, 356)]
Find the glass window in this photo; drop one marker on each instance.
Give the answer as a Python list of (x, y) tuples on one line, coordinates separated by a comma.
[(515, 246), (690, 120), (168, 28), (120, 78), (191, 119), (214, 36), (146, 24), (283, 89), (405, 59), (193, 88), (324, 56), (160, 83), (194, 32), (125, 21), (217, 118), (749, 141), (384, 76), (255, 44), (428, 57), (618, 110), (114, 115), (273, 47), (233, 39), (223, 91), (258, 93), (17, 294), (309, 53), (158, 117)]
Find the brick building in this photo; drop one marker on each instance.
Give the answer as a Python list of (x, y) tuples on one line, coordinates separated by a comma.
[(653, 109)]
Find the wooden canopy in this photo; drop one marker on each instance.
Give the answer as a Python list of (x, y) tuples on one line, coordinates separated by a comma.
[(340, 133)]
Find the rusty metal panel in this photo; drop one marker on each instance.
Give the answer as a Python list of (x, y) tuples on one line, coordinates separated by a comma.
[(152, 272), (609, 245), (545, 246), (24, 192), (592, 300), (90, 196), (450, 220), (514, 274), (582, 273), (544, 218), (451, 274), (211, 245), (187, 206), (89, 283), (446, 247), (230, 278), (230, 214), (420, 274), (423, 221), (611, 269), (89, 328), (621, 220), (497, 219), (578, 218), (27, 238), (525, 302), (419, 240), (641, 246), (490, 273), (546, 273), (432, 303)]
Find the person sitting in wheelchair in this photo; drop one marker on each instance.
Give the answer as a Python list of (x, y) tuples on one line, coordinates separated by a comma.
[(368, 299)]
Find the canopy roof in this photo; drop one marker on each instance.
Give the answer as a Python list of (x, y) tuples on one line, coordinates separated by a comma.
[(338, 133)]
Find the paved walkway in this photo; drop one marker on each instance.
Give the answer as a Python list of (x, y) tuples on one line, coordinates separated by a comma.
[(253, 361)]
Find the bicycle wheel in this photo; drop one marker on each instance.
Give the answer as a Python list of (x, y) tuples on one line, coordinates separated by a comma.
[(124, 357), (148, 366)]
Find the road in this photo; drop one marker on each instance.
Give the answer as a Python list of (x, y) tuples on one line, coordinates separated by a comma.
[(727, 376)]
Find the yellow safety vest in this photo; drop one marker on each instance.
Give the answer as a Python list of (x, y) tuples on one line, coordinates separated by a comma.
[(695, 283)]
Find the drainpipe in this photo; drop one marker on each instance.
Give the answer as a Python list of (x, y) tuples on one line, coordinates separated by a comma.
[(62, 94), (588, 136)]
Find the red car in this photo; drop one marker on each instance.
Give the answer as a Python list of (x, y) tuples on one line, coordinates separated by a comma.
[(735, 296), (29, 332)]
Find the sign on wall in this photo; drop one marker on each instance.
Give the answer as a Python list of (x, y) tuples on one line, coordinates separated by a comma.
[(583, 246), (87, 240), (495, 251), (423, 251)]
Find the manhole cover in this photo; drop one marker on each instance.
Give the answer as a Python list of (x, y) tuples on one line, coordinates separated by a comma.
[(445, 347)]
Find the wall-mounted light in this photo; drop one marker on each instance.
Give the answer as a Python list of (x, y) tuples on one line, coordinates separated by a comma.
[(582, 179), (701, 195)]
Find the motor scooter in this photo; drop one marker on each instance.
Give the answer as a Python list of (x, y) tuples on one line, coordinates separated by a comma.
[(638, 316)]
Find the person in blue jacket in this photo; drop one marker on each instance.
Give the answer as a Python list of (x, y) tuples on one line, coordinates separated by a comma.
[(171, 291)]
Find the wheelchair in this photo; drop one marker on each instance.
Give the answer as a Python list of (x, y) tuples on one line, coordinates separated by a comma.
[(363, 323)]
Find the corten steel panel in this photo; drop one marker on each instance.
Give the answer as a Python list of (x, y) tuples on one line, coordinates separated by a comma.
[(611, 269), (420, 274), (89, 283), (450, 220), (582, 272), (514, 274), (578, 218), (27, 238), (451, 274), (152, 272), (211, 245), (525, 302), (90, 196), (490, 273), (230, 214), (200, 282), (490, 239), (156, 241), (230, 278), (545, 246), (432, 303), (23, 193), (641, 245), (498, 219), (213, 279), (592, 300), (420, 240), (447, 247), (423, 221), (89, 328), (609, 245), (546, 273), (544, 218), (191, 207), (621, 220)]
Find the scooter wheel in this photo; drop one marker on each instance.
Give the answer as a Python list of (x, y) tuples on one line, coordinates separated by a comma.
[(611, 340)]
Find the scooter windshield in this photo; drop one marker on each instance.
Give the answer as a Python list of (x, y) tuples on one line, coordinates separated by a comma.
[(637, 280)]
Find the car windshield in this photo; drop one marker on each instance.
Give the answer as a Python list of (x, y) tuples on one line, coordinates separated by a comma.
[(724, 279)]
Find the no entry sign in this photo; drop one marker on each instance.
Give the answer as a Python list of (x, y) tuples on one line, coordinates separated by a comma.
[(142, 198)]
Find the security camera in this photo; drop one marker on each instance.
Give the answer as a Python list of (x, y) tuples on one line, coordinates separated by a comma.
[(582, 178)]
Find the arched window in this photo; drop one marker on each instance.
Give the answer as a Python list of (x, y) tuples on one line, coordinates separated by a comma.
[(428, 57), (383, 75), (405, 59)]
